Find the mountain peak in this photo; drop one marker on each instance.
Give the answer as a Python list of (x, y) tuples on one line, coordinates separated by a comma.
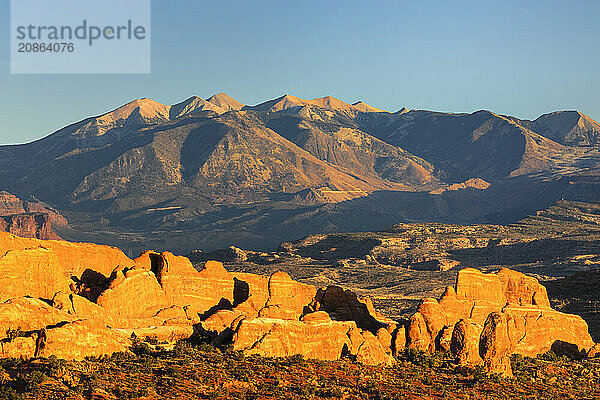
[(331, 103), (194, 104), (568, 127), (280, 103), (224, 101), (364, 107), (148, 108), (328, 102)]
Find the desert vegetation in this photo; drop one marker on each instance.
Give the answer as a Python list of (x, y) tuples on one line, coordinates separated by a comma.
[(200, 371)]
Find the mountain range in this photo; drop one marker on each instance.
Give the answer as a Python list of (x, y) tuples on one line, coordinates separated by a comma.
[(205, 173)]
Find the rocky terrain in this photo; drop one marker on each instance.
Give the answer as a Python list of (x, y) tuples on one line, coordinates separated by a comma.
[(205, 172), (74, 300)]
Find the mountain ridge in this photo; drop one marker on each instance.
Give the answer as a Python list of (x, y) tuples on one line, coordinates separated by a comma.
[(290, 167)]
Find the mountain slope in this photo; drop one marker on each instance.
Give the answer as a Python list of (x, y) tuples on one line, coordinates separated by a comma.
[(338, 141), (463, 146)]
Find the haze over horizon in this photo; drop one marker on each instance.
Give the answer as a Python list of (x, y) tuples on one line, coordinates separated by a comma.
[(517, 59)]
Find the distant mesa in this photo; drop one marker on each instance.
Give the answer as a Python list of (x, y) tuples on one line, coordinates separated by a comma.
[(473, 183), (31, 218)]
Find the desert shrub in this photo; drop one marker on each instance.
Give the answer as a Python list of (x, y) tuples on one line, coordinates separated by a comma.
[(552, 357), (479, 375), (13, 333), (121, 356), (519, 366), (141, 349), (151, 339), (423, 358), (8, 393), (55, 366), (9, 363), (35, 378)]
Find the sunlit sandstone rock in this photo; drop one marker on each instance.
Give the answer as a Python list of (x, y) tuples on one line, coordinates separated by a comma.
[(495, 301)]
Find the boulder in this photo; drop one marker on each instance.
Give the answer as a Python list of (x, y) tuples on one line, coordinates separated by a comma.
[(594, 352)]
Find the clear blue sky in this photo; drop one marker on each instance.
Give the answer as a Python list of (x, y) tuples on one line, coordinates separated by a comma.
[(513, 57)]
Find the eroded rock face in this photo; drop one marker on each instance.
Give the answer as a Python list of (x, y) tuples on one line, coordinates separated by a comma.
[(497, 342), (464, 343), (31, 225), (197, 291), (287, 298), (133, 293), (344, 305), (491, 316), (33, 272)]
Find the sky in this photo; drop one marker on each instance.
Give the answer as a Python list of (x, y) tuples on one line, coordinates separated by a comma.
[(511, 57)]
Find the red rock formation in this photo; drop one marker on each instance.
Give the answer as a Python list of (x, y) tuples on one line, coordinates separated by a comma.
[(287, 299), (464, 343), (133, 293), (497, 342), (315, 336), (11, 204), (35, 272), (94, 298), (344, 305), (197, 291), (495, 301)]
